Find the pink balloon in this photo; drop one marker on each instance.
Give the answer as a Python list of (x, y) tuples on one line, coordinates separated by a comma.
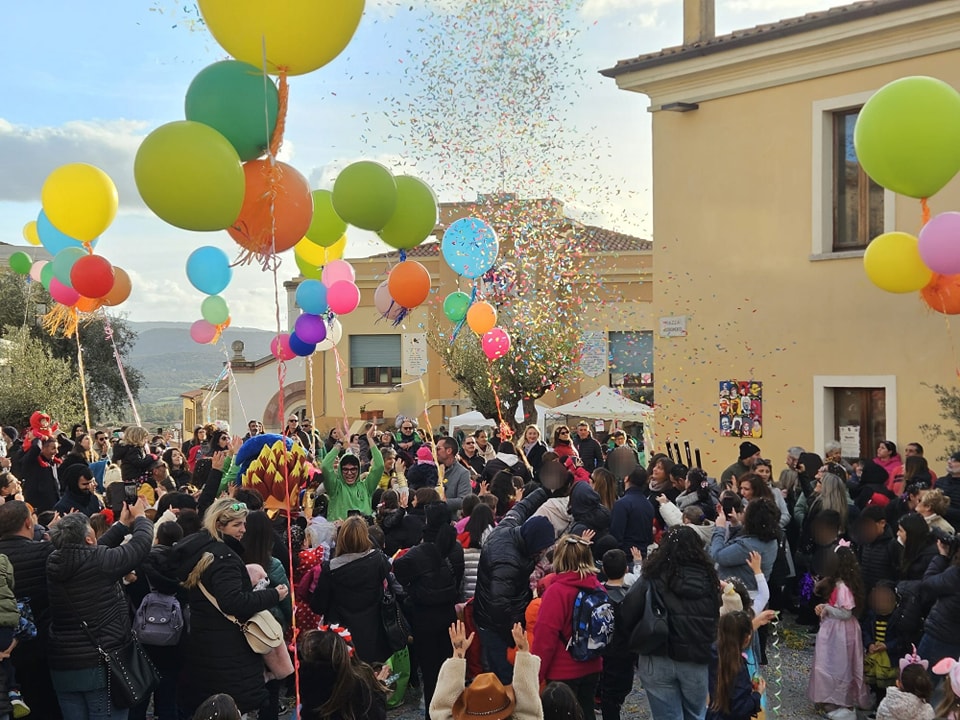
[(343, 297), (496, 343), (35, 270), (63, 294), (940, 243), (280, 347), (203, 332), (384, 303), (336, 271)]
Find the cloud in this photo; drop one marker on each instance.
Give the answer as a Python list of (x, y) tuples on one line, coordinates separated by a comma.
[(600, 8), (800, 6)]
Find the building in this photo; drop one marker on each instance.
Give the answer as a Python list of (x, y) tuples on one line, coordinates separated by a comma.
[(761, 217)]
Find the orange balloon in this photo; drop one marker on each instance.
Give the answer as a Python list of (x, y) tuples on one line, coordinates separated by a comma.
[(120, 290), (482, 317), (409, 284), (277, 208), (85, 304), (943, 294)]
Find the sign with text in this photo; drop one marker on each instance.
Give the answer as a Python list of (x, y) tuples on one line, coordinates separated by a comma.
[(673, 326), (414, 354), (593, 356)]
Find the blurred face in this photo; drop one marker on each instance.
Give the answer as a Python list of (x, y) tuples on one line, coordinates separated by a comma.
[(871, 530), (882, 452), (235, 528), (531, 435), (159, 473), (764, 472), (883, 600)]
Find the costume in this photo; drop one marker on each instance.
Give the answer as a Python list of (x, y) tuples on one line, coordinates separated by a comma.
[(837, 674), (40, 428)]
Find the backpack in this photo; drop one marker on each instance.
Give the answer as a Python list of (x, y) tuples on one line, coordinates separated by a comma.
[(159, 620), (593, 624)]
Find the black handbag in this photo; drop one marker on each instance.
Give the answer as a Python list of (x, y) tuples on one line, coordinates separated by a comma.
[(649, 636), (394, 623)]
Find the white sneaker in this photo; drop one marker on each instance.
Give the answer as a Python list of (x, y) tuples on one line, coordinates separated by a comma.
[(842, 714)]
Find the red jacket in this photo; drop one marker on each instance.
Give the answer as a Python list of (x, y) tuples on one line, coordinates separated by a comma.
[(555, 626)]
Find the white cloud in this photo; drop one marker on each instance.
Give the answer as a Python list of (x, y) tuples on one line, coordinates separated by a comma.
[(795, 6)]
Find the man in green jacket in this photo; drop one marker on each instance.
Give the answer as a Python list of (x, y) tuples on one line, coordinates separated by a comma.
[(344, 486)]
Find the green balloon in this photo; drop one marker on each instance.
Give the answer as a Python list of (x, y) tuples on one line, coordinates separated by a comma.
[(326, 227), (214, 310), (308, 270), (415, 217), (46, 275), (455, 306), (21, 263), (907, 136), (63, 263), (236, 100), (190, 176), (365, 195)]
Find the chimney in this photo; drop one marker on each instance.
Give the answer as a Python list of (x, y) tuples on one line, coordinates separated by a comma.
[(698, 21)]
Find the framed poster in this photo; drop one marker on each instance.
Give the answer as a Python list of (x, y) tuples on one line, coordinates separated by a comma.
[(741, 408), (414, 354)]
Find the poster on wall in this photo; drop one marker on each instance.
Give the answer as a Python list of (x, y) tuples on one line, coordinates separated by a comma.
[(593, 355), (741, 408), (414, 354)]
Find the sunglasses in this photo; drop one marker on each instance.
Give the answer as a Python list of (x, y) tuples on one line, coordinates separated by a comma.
[(408, 427)]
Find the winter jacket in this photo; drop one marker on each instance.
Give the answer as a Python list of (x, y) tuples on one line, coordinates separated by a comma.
[(508, 462), (590, 451), (672, 516), (744, 703), (432, 583), (40, 485), (452, 679), (902, 705), (917, 569), (892, 465), (890, 633), (564, 450), (950, 486), (471, 561), (631, 521), (941, 585), (133, 460), (456, 485), (535, 455), (343, 497), (587, 511), (73, 499), (555, 628), (878, 560), (9, 615), (401, 530), (734, 472), (477, 463), (422, 475), (29, 560), (731, 554), (84, 584)]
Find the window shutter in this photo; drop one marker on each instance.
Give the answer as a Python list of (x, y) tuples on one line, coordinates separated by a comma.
[(369, 351)]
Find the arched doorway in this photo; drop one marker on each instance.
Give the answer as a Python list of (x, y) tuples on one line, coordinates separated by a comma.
[(294, 402)]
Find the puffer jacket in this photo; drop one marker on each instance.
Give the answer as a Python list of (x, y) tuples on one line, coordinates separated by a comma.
[(9, 615), (941, 585), (471, 561), (951, 488), (133, 460), (503, 575), (29, 560), (587, 511), (401, 530), (878, 560), (84, 584)]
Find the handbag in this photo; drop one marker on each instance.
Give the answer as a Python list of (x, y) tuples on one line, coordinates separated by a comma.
[(394, 623), (262, 631), (650, 634)]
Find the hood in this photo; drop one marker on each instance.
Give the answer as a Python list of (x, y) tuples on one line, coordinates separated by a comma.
[(161, 569), (341, 560), (573, 579), (191, 556), (583, 499), (693, 583), (507, 459)]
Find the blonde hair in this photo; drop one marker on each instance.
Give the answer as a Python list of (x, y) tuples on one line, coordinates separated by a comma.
[(935, 500), (572, 554), (135, 435), (223, 511), (532, 427)]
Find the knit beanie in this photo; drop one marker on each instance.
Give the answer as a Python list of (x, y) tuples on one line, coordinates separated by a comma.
[(748, 449), (537, 534), (11, 432), (425, 454)]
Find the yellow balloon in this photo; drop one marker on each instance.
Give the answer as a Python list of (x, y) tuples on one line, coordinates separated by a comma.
[(316, 256), (80, 200), (893, 263), (30, 233), (300, 35)]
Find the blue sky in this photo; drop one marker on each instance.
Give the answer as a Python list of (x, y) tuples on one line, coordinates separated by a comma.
[(87, 85)]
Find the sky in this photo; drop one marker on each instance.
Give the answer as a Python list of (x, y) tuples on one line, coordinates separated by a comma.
[(85, 86)]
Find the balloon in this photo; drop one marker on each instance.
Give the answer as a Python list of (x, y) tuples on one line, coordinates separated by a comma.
[(233, 99), (300, 347), (203, 332), (943, 294), (208, 270), (409, 283), (46, 275), (312, 297), (481, 317), (190, 176), (907, 136), (80, 200), (92, 276), (307, 269), (326, 228), (455, 306), (63, 294), (310, 328), (337, 270), (385, 303), (280, 347), (365, 195), (297, 36), (940, 243), (415, 217), (63, 263), (277, 208), (315, 256), (214, 310), (470, 247), (89, 305), (343, 297), (54, 240), (36, 269), (893, 263), (496, 343), (334, 334), (121, 288), (21, 263), (30, 233)]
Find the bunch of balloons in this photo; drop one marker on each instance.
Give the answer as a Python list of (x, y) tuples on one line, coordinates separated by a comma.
[(907, 139), (209, 271)]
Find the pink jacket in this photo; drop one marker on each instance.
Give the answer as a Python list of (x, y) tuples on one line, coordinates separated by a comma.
[(555, 626), (892, 465)]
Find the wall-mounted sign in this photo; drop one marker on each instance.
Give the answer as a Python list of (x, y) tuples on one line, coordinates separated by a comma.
[(414, 354), (593, 356), (673, 326)]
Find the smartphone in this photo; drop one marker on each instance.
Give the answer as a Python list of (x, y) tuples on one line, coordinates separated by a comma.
[(391, 679), (130, 493)]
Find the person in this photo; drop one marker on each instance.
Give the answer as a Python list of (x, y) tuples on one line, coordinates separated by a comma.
[(910, 699), (199, 437), (253, 429), (424, 473), (506, 459), (882, 640), (79, 495), (757, 533), (559, 703), (916, 547), (749, 453), (343, 485), (533, 447), (41, 488), (949, 707), (932, 507), (941, 586), (177, 466), (296, 433), (605, 484), (563, 445), (486, 449), (456, 478), (132, 453), (472, 457), (86, 599), (80, 454), (949, 485), (408, 439), (218, 707), (631, 520), (616, 677), (401, 530), (733, 695), (589, 450), (475, 532), (334, 440), (875, 547), (889, 460)]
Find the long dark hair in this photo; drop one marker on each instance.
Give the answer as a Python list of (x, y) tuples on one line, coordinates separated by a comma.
[(258, 540), (559, 703), (761, 519), (352, 681), (918, 537), (848, 570), (481, 518), (502, 487), (733, 632), (680, 547)]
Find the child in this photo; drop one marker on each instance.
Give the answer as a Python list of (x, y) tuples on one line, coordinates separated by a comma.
[(909, 699), (733, 694), (9, 624), (619, 664), (424, 473), (836, 679), (881, 629), (949, 707)]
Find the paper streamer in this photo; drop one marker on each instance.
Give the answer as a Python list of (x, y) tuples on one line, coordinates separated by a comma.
[(108, 332)]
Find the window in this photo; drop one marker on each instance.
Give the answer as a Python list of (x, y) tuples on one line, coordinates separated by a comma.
[(857, 200), (374, 360), (631, 364)]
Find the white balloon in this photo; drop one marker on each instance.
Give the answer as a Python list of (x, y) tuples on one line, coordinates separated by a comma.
[(334, 334)]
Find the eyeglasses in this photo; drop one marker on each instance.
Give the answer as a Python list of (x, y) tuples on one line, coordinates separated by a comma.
[(349, 468), (238, 506), (469, 444)]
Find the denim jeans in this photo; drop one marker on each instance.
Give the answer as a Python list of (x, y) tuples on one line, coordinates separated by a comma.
[(89, 705), (494, 652), (934, 650), (675, 690)]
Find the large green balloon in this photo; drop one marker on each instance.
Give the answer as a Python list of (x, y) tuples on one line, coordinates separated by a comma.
[(365, 195), (236, 100), (63, 263), (455, 306), (306, 269), (190, 176), (214, 310), (21, 263), (326, 227), (46, 275), (907, 136), (415, 217)]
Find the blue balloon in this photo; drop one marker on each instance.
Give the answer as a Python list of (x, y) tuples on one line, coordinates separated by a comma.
[(300, 347), (312, 297), (208, 270), (54, 240), (470, 247)]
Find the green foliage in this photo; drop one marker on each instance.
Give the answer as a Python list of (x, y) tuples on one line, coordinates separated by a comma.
[(32, 379), (949, 432)]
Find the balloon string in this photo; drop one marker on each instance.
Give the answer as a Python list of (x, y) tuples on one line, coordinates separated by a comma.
[(83, 383), (433, 443), (459, 327), (924, 212), (283, 99), (777, 675), (505, 431), (108, 331), (343, 399)]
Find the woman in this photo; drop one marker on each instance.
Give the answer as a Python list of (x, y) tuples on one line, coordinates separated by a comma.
[(9, 487), (88, 607), (203, 456), (916, 471), (199, 438), (660, 478), (77, 431), (889, 460), (131, 453), (471, 457), (675, 673), (350, 590), (699, 491), (335, 682), (562, 444), (533, 448), (605, 484), (217, 656), (400, 529), (501, 487), (757, 534), (177, 466), (475, 532), (80, 454), (830, 494), (915, 546), (941, 584)]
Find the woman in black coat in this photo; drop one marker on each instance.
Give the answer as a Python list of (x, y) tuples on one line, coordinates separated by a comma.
[(401, 530), (941, 584), (131, 454)]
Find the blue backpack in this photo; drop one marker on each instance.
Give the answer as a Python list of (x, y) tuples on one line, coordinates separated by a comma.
[(593, 624)]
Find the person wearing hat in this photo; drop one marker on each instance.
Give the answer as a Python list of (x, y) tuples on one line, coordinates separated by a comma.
[(424, 473), (749, 454), (487, 698), (343, 484), (79, 494)]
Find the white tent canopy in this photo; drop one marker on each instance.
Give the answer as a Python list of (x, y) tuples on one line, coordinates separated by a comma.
[(606, 404), (475, 420)]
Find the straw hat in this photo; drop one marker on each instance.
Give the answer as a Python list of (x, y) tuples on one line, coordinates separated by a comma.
[(486, 699)]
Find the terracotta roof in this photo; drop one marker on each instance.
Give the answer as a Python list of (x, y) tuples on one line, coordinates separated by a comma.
[(762, 33)]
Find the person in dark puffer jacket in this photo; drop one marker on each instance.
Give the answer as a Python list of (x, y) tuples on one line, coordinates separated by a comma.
[(941, 584), (950, 485), (401, 530), (587, 511), (875, 551), (83, 577)]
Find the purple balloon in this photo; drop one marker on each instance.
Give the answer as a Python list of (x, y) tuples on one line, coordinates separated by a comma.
[(310, 328), (384, 303), (940, 243)]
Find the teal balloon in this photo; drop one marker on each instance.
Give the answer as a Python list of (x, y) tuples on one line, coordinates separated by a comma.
[(326, 227), (455, 306), (214, 310), (46, 275), (63, 263), (237, 101), (20, 263), (365, 195), (907, 136), (470, 247), (54, 240), (208, 270), (415, 217)]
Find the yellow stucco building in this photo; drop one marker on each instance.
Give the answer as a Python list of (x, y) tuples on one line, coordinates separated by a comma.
[(761, 216)]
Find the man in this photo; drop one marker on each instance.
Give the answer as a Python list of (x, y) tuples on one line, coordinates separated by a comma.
[(916, 448), (631, 520), (486, 449), (590, 451), (294, 431), (101, 446), (343, 485), (253, 429), (749, 454), (456, 478), (314, 439), (79, 495), (41, 487), (950, 485)]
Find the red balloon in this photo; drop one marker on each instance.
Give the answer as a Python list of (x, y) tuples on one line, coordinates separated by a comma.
[(92, 276), (277, 208)]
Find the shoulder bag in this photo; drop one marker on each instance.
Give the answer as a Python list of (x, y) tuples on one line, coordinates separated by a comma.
[(394, 623), (650, 635), (262, 631)]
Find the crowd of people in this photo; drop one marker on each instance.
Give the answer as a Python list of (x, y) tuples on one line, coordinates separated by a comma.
[(495, 578)]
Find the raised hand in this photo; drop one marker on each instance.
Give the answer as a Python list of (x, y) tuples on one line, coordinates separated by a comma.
[(459, 640)]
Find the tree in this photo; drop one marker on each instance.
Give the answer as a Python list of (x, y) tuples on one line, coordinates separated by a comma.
[(949, 399)]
